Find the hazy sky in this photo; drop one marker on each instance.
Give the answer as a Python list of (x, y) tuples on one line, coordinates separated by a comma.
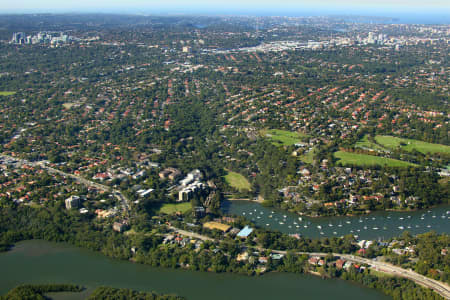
[(243, 6)]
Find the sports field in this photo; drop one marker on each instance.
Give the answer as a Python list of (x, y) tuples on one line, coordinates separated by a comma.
[(7, 93), (283, 137), (410, 145), (171, 208), (346, 158), (237, 181), (365, 143)]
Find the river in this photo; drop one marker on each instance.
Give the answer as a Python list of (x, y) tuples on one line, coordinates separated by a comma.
[(45, 262), (376, 225)]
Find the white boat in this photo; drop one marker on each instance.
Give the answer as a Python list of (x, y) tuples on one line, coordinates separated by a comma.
[(409, 227), (321, 233), (434, 217), (281, 223), (422, 218), (340, 225), (334, 232), (306, 226), (258, 217), (401, 218), (428, 226), (375, 228), (267, 224), (250, 213), (284, 216), (330, 225), (358, 230), (297, 226), (300, 218), (348, 222), (243, 213), (417, 226), (365, 227), (409, 217), (373, 218), (360, 220), (270, 216), (290, 226), (401, 227), (318, 226)]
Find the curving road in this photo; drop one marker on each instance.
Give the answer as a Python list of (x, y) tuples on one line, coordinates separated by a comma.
[(439, 287)]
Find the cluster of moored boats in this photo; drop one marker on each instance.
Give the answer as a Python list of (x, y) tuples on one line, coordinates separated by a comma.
[(299, 222)]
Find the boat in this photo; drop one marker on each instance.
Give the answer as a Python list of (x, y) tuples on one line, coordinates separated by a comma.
[(284, 216), (297, 226), (375, 228), (401, 218), (409, 217), (409, 227), (358, 230), (258, 217), (270, 216), (267, 224), (243, 213), (321, 233), (360, 220), (290, 226), (334, 232), (428, 226), (250, 213), (401, 227), (422, 218), (306, 226), (340, 225), (300, 218), (433, 216), (373, 218), (417, 226), (330, 225), (318, 226), (365, 227), (348, 222), (281, 223)]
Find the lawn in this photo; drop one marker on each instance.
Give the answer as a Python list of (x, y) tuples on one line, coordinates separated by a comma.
[(283, 137), (171, 208), (409, 144), (237, 181), (346, 158), (7, 93), (308, 157), (364, 143)]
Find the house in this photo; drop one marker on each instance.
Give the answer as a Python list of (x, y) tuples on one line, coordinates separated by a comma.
[(199, 212), (242, 256), (120, 226), (313, 260), (263, 260), (340, 264), (72, 202)]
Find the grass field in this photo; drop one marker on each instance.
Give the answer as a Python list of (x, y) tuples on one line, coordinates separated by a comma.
[(282, 137), (410, 145), (346, 158), (171, 208), (7, 93), (364, 143), (237, 181)]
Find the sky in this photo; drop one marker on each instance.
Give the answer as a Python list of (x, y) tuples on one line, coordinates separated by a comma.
[(250, 7)]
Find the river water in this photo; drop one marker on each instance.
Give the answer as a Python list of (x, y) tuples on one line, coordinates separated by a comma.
[(376, 225), (45, 262)]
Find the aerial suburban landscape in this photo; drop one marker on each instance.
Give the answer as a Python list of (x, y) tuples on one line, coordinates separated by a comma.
[(223, 156)]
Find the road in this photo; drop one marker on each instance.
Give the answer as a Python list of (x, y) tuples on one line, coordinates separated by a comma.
[(439, 287), (125, 202)]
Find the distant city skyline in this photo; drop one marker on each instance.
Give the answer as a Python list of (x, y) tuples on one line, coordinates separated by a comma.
[(250, 7)]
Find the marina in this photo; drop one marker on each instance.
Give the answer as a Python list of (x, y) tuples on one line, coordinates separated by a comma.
[(378, 225)]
